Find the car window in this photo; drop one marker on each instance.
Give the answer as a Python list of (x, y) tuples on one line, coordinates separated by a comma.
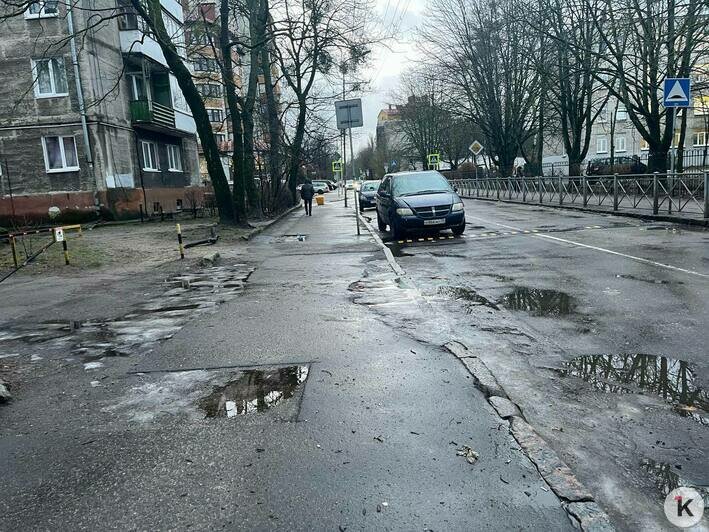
[(370, 185), (384, 187), (419, 182)]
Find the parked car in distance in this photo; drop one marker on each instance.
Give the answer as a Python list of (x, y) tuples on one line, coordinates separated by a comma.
[(321, 187), (349, 184), (621, 165), (331, 184), (418, 201), (366, 194)]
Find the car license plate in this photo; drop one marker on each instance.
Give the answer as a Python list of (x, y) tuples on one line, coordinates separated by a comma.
[(435, 221)]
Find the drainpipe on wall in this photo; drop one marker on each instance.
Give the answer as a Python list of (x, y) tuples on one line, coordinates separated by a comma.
[(77, 79)]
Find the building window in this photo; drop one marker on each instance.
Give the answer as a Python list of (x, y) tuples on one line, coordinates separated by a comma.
[(205, 64), (156, 206), (128, 18), (138, 88), (201, 38), (209, 90), (150, 156), (644, 146), (601, 145), (46, 8), (620, 144), (60, 154), (178, 205), (700, 105), (700, 138), (622, 113), (49, 77), (174, 161), (215, 115), (219, 138)]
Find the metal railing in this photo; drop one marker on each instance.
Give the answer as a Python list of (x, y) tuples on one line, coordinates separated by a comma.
[(152, 112), (686, 193)]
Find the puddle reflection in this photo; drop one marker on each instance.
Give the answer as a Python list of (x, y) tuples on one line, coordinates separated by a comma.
[(539, 301), (254, 391)]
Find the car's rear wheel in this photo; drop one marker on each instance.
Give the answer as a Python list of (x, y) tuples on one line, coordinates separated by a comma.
[(458, 230), (380, 223)]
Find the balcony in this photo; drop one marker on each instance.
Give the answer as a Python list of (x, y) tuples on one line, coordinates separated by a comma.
[(152, 115)]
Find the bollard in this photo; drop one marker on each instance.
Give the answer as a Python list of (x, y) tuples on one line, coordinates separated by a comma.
[(539, 188), (356, 207), (706, 195), (615, 192), (584, 188), (179, 241), (524, 190), (65, 247), (141, 213), (13, 245), (655, 194), (559, 185)]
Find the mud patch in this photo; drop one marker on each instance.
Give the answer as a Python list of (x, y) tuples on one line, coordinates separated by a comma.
[(671, 379), (538, 301), (468, 295), (254, 391)]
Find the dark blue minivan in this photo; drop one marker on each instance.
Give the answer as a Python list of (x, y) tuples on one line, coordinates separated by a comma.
[(408, 201)]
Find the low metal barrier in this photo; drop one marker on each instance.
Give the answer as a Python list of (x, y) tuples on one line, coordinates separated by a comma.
[(686, 193)]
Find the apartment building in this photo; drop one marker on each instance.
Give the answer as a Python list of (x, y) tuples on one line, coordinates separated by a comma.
[(91, 120)]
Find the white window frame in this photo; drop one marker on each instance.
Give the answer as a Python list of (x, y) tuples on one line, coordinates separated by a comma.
[(621, 114), (618, 148), (153, 156), (133, 77), (174, 158), (42, 13), (601, 140), (220, 111), (64, 167), (52, 81), (704, 135)]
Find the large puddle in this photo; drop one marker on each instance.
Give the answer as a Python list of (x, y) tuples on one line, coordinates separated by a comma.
[(671, 379), (254, 391), (539, 301)]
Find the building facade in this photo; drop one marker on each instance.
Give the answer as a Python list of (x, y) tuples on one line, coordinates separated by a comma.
[(91, 120)]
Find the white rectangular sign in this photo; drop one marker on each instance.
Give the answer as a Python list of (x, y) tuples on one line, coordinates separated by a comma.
[(349, 113), (58, 234)]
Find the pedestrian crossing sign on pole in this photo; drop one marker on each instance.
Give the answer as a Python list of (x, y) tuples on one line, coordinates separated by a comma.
[(336, 166), (433, 160), (676, 92)]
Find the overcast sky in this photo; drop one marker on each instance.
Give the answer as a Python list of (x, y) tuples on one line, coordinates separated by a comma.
[(388, 61)]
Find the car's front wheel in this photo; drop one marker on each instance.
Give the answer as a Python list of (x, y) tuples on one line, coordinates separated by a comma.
[(458, 230)]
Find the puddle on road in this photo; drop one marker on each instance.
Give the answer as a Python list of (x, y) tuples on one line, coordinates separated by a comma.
[(254, 391), (293, 238), (539, 301), (671, 379), (470, 296), (668, 477)]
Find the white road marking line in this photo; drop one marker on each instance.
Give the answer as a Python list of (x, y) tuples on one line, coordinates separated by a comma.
[(604, 250)]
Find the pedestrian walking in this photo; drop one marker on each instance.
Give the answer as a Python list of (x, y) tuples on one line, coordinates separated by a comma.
[(307, 192)]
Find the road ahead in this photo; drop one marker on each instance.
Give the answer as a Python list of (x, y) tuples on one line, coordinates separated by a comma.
[(597, 327)]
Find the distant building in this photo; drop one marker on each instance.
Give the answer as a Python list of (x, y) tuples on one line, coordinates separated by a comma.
[(131, 144), (390, 138)]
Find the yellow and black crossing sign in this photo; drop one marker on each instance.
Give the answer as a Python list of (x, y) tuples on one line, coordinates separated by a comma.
[(434, 160), (337, 166)]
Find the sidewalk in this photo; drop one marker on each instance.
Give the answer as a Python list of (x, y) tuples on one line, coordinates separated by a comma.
[(358, 427)]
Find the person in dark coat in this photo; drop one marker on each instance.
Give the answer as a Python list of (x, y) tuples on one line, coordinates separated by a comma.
[(307, 192)]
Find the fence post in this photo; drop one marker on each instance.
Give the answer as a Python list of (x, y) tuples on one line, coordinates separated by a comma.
[(13, 244), (509, 188), (524, 190), (615, 192), (655, 194), (559, 185), (539, 188), (584, 188), (706, 194)]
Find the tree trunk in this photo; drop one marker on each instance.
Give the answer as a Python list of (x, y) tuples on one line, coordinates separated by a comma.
[(274, 123), (222, 195), (237, 156)]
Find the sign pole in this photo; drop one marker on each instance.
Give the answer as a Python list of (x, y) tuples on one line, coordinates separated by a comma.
[(344, 163)]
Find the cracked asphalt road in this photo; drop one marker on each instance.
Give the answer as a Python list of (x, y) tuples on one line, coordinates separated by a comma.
[(596, 326), (368, 441)]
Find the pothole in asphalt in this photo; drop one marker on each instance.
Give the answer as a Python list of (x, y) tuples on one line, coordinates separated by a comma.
[(668, 477), (539, 301), (646, 279), (671, 379), (470, 296), (254, 390)]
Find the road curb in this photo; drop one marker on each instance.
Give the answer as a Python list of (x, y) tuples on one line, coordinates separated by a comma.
[(698, 222), (387, 252), (268, 224), (577, 500)]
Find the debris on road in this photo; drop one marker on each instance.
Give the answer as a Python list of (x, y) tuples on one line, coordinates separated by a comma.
[(470, 455), (5, 394)]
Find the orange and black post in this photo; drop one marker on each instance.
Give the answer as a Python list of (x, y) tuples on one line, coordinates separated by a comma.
[(179, 241)]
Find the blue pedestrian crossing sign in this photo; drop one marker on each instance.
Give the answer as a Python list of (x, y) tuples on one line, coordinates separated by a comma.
[(676, 92)]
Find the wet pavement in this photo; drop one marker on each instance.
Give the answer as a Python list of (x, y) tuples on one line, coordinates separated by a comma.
[(599, 336), (290, 403)]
